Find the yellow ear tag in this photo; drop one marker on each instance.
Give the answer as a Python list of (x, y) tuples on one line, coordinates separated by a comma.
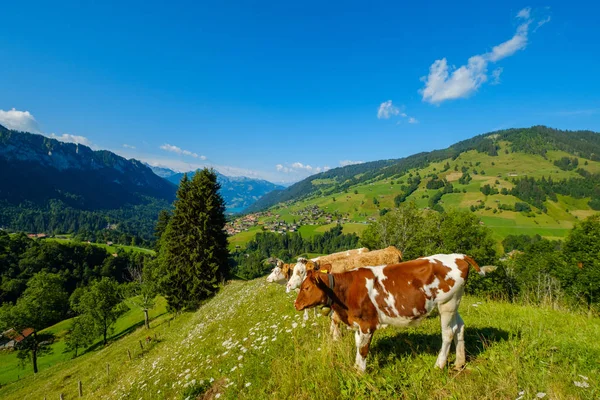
[(323, 271)]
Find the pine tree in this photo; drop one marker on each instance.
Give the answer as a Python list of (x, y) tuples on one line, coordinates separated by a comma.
[(193, 251)]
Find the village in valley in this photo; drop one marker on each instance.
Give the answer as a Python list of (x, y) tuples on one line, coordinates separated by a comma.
[(271, 221)]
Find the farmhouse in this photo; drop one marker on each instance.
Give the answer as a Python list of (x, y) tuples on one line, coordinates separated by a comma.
[(10, 339)]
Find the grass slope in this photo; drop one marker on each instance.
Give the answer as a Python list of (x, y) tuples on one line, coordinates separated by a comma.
[(11, 369), (357, 202), (249, 343), (111, 249)]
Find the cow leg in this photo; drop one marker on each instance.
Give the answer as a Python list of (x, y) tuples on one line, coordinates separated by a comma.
[(335, 327), (448, 317), (459, 342), (306, 314), (363, 340)]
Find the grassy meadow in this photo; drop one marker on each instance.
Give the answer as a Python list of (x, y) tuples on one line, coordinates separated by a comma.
[(249, 343), (114, 248)]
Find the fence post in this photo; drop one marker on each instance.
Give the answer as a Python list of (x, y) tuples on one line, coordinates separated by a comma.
[(141, 345), (61, 397), (108, 371), (80, 386), (129, 354)]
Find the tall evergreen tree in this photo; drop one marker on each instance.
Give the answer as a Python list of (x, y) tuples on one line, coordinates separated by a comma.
[(193, 250)]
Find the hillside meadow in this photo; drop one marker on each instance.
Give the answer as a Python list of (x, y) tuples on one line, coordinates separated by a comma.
[(12, 370), (248, 342), (498, 171)]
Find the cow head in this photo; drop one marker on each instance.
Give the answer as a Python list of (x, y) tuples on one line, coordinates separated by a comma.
[(312, 291), (298, 275), (276, 275)]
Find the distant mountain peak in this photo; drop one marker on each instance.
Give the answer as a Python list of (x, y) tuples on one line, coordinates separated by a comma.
[(239, 192)]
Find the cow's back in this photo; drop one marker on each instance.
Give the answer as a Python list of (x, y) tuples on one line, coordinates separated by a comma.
[(389, 255)]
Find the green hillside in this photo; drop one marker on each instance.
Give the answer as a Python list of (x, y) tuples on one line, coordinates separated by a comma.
[(11, 370), (249, 343), (488, 160)]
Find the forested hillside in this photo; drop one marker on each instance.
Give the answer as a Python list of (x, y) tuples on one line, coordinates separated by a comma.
[(519, 181), (537, 140), (51, 186)]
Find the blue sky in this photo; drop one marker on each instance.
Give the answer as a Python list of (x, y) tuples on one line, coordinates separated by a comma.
[(281, 90)]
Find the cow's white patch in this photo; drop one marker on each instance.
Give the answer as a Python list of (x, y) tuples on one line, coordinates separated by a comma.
[(373, 293), (276, 275), (361, 340), (427, 289), (449, 261)]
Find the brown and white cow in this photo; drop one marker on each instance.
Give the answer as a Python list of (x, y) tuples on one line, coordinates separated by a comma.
[(401, 295)]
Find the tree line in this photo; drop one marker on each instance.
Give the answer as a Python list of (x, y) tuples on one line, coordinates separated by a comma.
[(535, 270), (252, 261)]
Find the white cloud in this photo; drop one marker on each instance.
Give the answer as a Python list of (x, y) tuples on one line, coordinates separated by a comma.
[(449, 83), (440, 85), (345, 163), (299, 169), (25, 121), (542, 22), (66, 137), (19, 121), (496, 75), (524, 13), (128, 146), (412, 120), (180, 151), (181, 166), (387, 109), (511, 46)]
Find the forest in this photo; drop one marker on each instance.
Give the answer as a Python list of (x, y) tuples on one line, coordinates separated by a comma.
[(252, 262)]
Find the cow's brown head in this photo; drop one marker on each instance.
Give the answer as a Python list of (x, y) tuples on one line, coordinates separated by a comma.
[(312, 291)]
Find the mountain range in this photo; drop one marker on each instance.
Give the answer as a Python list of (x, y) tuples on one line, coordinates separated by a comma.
[(239, 192), (51, 186)]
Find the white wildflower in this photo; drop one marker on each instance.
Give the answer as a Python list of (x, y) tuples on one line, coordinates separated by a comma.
[(582, 384), (248, 384), (540, 395)]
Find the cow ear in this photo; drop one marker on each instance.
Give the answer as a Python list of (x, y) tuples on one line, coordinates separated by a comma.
[(325, 268), (320, 278)]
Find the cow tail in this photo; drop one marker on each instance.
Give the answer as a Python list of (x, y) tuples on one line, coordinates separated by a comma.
[(474, 265)]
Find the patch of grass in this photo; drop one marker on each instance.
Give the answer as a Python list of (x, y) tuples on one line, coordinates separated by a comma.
[(249, 343)]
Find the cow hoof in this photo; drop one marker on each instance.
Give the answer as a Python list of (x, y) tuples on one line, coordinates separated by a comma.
[(459, 367)]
